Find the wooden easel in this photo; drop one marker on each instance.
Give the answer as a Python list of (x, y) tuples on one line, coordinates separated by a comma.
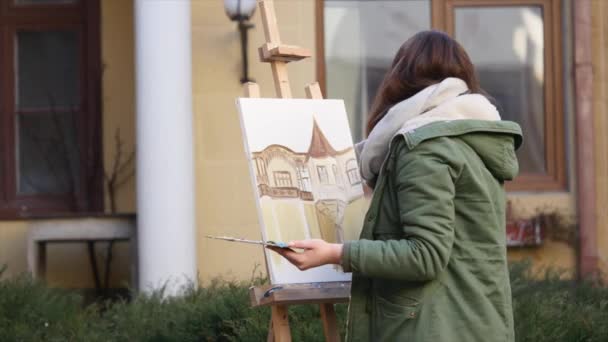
[(280, 297)]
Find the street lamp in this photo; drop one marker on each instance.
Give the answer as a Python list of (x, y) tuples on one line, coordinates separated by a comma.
[(240, 11)]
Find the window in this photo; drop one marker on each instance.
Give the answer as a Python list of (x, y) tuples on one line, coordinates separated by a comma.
[(375, 30), (518, 61), (261, 169), (334, 168), (282, 179), (50, 160), (352, 171), (323, 176), (304, 179), (42, 2)]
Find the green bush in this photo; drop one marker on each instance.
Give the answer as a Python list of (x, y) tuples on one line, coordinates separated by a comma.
[(549, 309), (552, 309), (29, 311), (219, 312)]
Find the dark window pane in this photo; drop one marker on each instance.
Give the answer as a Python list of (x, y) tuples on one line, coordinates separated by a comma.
[(47, 74), (44, 2), (510, 62), (361, 39), (47, 154)]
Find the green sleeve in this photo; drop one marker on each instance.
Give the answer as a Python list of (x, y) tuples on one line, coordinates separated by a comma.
[(423, 179)]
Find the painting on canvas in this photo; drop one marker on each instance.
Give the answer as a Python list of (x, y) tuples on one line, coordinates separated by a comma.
[(306, 178)]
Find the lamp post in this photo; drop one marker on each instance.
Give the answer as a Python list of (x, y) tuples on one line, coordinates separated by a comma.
[(240, 11)]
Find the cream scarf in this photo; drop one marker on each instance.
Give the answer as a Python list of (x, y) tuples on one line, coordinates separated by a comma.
[(443, 101)]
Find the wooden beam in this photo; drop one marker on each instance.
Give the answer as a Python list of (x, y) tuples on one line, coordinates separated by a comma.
[(281, 79), (313, 91), (320, 43), (330, 325), (280, 323), (251, 89), (331, 292), (278, 297), (283, 53), (585, 162), (269, 20)]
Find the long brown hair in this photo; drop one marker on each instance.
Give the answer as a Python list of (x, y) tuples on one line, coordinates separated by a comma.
[(425, 59)]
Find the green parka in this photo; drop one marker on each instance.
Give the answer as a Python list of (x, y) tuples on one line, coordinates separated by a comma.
[(431, 261)]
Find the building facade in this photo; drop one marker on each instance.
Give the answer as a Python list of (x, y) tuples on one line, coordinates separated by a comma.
[(70, 84)]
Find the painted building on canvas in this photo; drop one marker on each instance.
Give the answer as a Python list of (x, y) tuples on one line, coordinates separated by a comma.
[(317, 187), (544, 61)]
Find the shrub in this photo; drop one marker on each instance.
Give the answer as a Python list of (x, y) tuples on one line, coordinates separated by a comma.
[(548, 308), (219, 312), (545, 309), (30, 311)]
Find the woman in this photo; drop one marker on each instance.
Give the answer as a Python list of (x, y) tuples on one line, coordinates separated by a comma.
[(431, 262)]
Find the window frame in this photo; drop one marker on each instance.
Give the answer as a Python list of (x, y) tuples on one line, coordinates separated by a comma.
[(353, 172), (304, 179), (261, 168), (334, 170), (442, 18), (323, 174), (281, 178), (84, 18)]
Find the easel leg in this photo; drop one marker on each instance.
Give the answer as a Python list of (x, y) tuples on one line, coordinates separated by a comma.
[(279, 324), (330, 325), (281, 80), (270, 332)]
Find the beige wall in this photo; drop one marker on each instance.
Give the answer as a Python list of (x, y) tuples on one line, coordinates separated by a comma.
[(224, 193), (600, 104), (553, 253), (117, 40)]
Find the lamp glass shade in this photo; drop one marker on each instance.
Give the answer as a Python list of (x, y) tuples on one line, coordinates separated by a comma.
[(239, 9)]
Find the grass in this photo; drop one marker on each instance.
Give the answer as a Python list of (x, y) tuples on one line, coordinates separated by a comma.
[(546, 309)]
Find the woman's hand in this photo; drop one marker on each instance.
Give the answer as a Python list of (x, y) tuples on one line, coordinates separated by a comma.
[(316, 252)]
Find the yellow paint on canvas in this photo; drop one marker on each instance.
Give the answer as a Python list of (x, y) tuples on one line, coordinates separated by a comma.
[(353, 217), (291, 220), (273, 231), (311, 218)]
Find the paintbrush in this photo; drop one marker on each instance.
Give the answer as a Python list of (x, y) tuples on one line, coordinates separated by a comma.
[(255, 242)]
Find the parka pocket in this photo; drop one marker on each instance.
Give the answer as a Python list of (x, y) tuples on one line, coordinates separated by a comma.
[(393, 318), (395, 309), (401, 309)]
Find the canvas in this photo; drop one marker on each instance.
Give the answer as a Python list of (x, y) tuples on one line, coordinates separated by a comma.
[(306, 178)]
